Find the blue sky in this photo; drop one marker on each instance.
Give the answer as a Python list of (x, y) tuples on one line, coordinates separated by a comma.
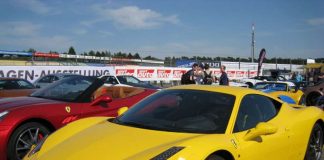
[(289, 29)]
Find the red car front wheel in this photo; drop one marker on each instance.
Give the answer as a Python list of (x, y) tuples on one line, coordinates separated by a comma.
[(23, 138)]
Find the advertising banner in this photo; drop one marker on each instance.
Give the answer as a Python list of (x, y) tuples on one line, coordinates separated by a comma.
[(240, 74), (164, 73), (253, 73), (15, 53), (129, 72), (32, 73), (145, 73), (217, 73), (189, 63), (177, 73), (230, 73), (50, 55), (185, 63)]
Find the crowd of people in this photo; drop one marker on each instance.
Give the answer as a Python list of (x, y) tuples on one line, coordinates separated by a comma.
[(201, 74), (309, 77)]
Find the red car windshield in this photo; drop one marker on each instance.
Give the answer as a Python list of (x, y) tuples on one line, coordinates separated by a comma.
[(67, 89), (189, 111)]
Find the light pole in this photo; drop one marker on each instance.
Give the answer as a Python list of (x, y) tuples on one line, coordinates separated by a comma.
[(252, 45)]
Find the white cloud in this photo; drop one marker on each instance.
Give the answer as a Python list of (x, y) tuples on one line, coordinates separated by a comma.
[(316, 21), (35, 6), (131, 17), (19, 28)]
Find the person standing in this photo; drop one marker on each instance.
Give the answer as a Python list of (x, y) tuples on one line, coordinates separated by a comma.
[(223, 80), (199, 74), (189, 76), (299, 80), (193, 73), (209, 77), (293, 76)]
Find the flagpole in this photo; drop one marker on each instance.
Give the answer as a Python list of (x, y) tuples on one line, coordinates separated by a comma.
[(253, 44)]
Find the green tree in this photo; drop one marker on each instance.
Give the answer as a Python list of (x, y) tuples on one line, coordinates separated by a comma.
[(71, 51), (53, 52), (137, 56), (102, 54), (130, 56), (92, 53), (32, 50), (98, 54), (108, 54), (147, 58)]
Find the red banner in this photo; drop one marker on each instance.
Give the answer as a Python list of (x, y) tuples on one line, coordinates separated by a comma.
[(163, 73), (50, 55), (253, 73), (178, 73), (240, 74), (145, 73), (129, 72), (121, 59), (230, 73)]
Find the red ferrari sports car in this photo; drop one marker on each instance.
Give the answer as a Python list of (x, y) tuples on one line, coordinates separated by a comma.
[(26, 120)]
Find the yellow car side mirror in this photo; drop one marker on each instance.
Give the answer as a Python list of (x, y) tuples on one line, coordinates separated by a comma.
[(261, 129), (122, 110)]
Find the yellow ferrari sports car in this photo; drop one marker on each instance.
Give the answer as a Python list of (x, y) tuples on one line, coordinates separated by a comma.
[(282, 90), (193, 122)]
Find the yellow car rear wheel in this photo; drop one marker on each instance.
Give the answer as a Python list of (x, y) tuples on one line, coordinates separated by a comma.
[(315, 144)]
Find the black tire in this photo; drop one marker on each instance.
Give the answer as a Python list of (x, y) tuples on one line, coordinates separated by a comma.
[(215, 157), (23, 138), (312, 98), (315, 144), (249, 84)]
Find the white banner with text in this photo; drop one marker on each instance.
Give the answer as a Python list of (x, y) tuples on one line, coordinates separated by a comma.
[(32, 73)]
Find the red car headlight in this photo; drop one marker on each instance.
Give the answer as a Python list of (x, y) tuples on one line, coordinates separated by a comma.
[(3, 114)]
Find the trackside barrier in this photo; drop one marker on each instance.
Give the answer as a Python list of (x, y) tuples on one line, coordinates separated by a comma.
[(32, 73)]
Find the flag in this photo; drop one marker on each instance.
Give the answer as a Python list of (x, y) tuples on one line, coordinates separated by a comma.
[(261, 58)]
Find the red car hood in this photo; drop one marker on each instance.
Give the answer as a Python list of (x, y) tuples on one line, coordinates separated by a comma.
[(12, 103)]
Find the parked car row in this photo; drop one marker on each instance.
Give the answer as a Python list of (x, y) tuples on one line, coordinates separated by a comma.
[(252, 81), (285, 91), (56, 105), (15, 87), (311, 93), (172, 123)]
